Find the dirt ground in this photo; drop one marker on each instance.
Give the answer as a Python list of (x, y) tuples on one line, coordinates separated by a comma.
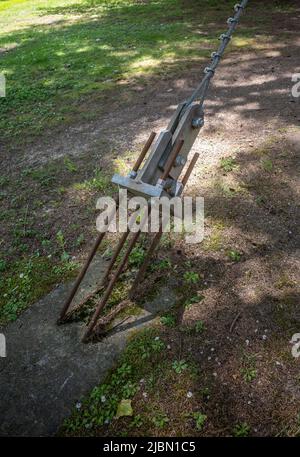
[(249, 263), (249, 301)]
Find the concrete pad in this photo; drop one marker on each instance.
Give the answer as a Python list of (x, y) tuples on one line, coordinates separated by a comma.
[(47, 368)]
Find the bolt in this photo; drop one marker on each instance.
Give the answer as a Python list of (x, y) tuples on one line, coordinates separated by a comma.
[(197, 123), (133, 174), (180, 161)]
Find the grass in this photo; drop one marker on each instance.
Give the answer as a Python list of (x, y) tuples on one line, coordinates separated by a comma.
[(234, 255), (100, 407), (32, 235), (228, 164), (215, 241), (179, 366), (168, 320), (200, 420), (248, 370), (241, 430), (191, 277), (141, 371), (27, 280)]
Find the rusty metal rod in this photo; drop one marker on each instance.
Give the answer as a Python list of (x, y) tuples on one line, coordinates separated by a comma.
[(133, 241), (115, 255), (155, 241), (109, 268), (189, 169), (82, 273), (144, 152), (157, 237), (112, 282), (170, 162)]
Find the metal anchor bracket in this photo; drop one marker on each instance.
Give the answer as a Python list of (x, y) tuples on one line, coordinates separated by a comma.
[(158, 176)]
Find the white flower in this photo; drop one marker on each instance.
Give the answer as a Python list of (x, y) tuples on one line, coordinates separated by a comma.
[(169, 347), (103, 398), (145, 395), (189, 394), (264, 337), (78, 405), (156, 338), (21, 275), (247, 342)]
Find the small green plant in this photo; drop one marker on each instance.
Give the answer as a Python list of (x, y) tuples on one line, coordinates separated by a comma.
[(179, 366), (62, 243), (200, 420), (129, 389), (248, 369), (241, 430), (3, 181), (136, 422), (199, 326), (228, 164), (3, 265), (98, 182), (194, 299), (249, 374), (136, 257), (60, 239), (164, 264), (46, 243), (70, 166), (191, 277), (168, 320), (267, 165), (147, 347), (160, 420), (234, 255)]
